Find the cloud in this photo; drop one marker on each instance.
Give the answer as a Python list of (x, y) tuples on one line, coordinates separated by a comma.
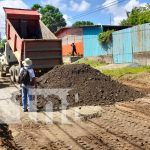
[(73, 5), (79, 7), (133, 3), (12, 4), (119, 12), (57, 3), (67, 18)]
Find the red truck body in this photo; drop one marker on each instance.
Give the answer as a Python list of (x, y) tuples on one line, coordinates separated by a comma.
[(29, 37)]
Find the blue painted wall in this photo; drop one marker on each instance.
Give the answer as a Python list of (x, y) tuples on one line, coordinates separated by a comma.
[(125, 43), (129, 41), (122, 46), (92, 47)]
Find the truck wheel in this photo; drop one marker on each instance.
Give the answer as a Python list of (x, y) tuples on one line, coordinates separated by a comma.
[(17, 70), (7, 69), (3, 74), (12, 73)]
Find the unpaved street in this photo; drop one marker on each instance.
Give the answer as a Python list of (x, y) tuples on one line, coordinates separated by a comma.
[(119, 127)]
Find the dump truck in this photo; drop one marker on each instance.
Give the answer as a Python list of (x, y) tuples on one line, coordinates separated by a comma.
[(28, 37)]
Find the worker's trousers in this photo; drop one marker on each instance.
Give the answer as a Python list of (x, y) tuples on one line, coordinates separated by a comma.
[(27, 98)]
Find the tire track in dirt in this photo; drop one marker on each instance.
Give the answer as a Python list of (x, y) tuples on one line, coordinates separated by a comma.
[(91, 143), (124, 128), (26, 140), (67, 138), (106, 133), (131, 123), (114, 129)]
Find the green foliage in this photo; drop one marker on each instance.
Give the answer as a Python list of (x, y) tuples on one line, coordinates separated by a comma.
[(105, 37), (51, 16), (36, 7), (138, 15), (116, 73), (82, 23)]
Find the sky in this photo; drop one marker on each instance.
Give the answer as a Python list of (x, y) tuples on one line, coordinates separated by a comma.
[(98, 11)]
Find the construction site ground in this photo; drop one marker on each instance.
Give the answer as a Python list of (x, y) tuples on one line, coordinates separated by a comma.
[(121, 126)]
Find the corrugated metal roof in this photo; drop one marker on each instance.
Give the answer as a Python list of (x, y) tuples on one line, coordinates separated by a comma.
[(90, 26), (16, 11)]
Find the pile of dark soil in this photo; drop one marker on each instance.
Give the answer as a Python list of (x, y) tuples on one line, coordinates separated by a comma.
[(6, 139), (93, 87)]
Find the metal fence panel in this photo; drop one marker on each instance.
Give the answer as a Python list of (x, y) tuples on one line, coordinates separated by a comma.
[(129, 42), (92, 46), (122, 46)]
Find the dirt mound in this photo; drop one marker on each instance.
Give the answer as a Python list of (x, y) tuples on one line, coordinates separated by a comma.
[(6, 139), (93, 87)]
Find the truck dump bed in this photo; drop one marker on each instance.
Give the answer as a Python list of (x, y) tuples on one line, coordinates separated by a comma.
[(29, 37)]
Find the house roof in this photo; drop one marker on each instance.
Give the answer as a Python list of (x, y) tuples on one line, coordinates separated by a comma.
[(117, 27)]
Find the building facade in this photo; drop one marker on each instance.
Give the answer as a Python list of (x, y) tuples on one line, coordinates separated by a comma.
[(85, 39)]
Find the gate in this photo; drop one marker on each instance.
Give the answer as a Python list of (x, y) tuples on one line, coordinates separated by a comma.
[(122, 46)]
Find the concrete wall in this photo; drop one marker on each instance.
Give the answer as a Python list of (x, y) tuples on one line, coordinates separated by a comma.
[(142, 58), (107, 59)]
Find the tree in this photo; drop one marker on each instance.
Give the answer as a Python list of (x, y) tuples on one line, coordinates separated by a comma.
[(36, 7), (138, 15), (82, 23), (51, 16)]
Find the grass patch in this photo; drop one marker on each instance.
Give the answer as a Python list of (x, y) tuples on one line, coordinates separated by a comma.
[(116, 73), (93, 63)]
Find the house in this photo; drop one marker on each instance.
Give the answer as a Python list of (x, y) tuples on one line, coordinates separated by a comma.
[(85, 39)]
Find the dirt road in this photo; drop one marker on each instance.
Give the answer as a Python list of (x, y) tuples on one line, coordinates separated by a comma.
[(123, 126)]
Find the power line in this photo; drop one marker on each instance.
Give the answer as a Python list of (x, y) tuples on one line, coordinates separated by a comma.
[(93, 11), (99, 8), (90, 12)]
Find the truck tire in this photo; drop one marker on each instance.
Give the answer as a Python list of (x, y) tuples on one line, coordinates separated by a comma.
[(3, 74), (17, 70), (12, 73), (7, 69)]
